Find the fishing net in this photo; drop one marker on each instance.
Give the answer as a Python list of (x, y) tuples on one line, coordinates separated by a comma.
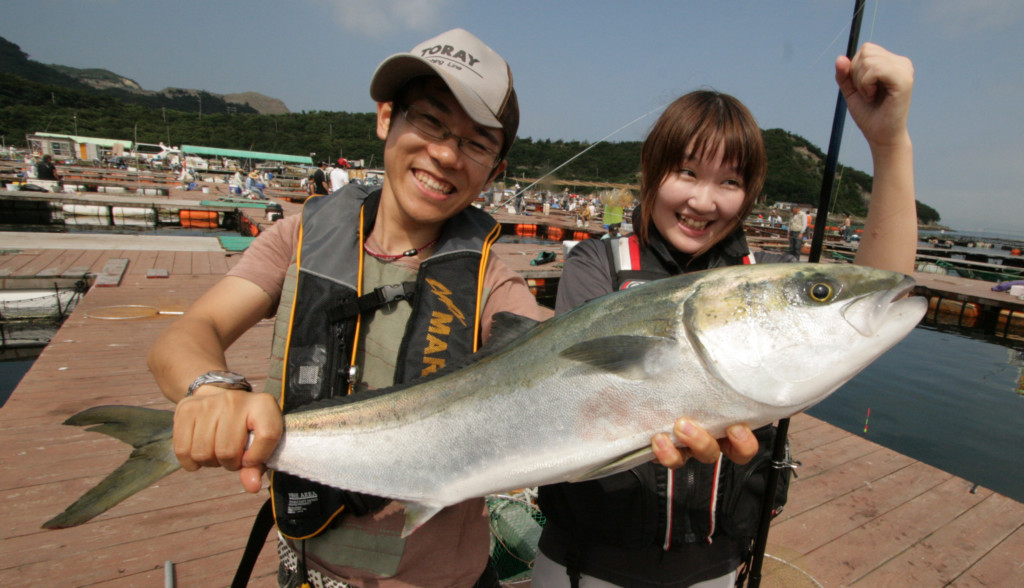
[(516, 523)]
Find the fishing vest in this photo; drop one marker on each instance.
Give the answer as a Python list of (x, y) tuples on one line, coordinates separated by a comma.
[(652, 506), (632, 265), (319, 319)]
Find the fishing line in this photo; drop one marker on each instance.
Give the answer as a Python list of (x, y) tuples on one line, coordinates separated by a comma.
[(795, 567), (846, 27), (570, 160), (662, 107)]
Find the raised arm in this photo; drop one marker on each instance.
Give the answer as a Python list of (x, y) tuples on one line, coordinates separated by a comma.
[(877, 86)]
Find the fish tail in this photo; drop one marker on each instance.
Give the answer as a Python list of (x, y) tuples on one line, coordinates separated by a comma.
[(149, 432)]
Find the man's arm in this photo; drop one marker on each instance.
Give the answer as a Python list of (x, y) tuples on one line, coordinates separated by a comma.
[(211, 427)]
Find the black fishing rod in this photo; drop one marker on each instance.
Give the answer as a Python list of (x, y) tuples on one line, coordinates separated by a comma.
[(779, 461)]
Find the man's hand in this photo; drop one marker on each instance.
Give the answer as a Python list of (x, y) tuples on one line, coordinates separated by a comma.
[(211, 429)]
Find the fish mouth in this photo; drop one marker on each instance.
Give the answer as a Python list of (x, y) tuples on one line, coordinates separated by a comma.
[(870, 313)]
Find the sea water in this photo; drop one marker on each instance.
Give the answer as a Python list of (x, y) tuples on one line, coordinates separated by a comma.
[(947, 399), (952, 401)]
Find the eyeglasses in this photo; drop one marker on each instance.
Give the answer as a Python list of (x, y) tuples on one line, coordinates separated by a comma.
[(433, 128)]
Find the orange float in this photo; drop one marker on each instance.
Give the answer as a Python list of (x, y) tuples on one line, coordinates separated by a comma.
[(198, 219), (526, 230)]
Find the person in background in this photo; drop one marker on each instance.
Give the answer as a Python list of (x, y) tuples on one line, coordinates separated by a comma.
[(338, 176), (613, 231), (447, 131), (320, 182), (847, 228), (703, 166), (253, 186), (797, 228), (46, 170)]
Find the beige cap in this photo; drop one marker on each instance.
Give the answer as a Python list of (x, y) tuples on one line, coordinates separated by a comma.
[(477, 76)]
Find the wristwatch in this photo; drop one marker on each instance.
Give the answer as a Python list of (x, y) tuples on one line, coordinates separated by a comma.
[(222, 378)]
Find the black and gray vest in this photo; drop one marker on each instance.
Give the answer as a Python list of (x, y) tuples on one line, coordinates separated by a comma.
[(321, 311)]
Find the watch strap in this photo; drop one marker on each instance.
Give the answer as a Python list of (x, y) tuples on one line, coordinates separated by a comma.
[(222, 378)]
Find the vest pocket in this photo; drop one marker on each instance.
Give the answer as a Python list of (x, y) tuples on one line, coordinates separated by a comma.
[(613, 510), (743, 488)]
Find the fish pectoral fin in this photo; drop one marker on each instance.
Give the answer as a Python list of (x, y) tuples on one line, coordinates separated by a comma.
[(635, 357), (622, 464), (416, 514)]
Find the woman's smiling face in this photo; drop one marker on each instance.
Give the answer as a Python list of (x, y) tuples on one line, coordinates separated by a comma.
[(698, 202)]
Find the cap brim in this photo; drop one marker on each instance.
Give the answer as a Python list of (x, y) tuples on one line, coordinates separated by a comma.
[(396, 70)]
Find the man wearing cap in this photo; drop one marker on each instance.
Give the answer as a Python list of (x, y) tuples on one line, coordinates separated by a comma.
[(448, 114), (339, 177)]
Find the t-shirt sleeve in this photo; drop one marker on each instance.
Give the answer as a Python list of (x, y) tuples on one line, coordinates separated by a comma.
[(585, 275), (508, 292), (266, 260)]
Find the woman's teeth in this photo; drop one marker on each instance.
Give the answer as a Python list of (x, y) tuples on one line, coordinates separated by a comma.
[(692, 223)]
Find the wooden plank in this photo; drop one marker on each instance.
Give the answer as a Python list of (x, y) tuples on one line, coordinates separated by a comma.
[(112, 272), (1002, 566), (200, 263), (145, 261), (38, 263), (182, 263), (944, 555), (848, 477), (83, 265), (850, 508)]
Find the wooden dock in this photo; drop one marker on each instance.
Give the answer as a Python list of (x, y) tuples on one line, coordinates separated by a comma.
[(858, 513)]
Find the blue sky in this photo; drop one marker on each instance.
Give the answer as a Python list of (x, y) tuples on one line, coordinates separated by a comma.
[(584, 69)]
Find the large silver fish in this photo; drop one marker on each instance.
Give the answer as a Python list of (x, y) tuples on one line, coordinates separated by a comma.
[(580, 395)]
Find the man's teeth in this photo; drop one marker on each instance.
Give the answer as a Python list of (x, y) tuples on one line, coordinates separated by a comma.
[(433, 184), (692, 223)]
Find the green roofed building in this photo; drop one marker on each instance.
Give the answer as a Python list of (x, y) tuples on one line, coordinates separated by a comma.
[(240, 154)]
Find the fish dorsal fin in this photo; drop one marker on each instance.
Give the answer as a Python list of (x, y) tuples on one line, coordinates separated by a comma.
[(505, 328), (622, 464), (636, 357)]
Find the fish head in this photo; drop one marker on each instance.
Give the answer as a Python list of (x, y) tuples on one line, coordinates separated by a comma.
[(788, 335)]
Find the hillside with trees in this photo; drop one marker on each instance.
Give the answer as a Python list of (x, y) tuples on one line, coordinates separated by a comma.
[(40, 98)]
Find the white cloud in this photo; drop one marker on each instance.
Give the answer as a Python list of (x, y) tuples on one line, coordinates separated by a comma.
[(379, 18)]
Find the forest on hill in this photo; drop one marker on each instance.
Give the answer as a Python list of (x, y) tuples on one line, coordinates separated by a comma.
[(39, 98)]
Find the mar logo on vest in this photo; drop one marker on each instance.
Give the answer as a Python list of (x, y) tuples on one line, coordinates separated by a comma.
[(440, 327)]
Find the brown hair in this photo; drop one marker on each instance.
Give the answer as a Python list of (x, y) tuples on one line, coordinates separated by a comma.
[(702, 121)]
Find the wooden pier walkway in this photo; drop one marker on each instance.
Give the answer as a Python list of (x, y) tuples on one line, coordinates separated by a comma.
[(858, 513)]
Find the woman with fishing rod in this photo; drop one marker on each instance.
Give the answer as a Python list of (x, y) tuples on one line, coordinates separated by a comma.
[(690, 522)]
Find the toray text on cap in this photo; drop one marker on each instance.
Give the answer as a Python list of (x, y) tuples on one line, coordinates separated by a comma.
[(447, 50)]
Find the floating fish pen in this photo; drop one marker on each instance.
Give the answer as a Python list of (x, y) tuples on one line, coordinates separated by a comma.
[(546, 232), (48, 215), (992, 320), (30, 317)]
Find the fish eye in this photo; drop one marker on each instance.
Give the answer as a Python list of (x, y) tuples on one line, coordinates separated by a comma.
[(821, 292)]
